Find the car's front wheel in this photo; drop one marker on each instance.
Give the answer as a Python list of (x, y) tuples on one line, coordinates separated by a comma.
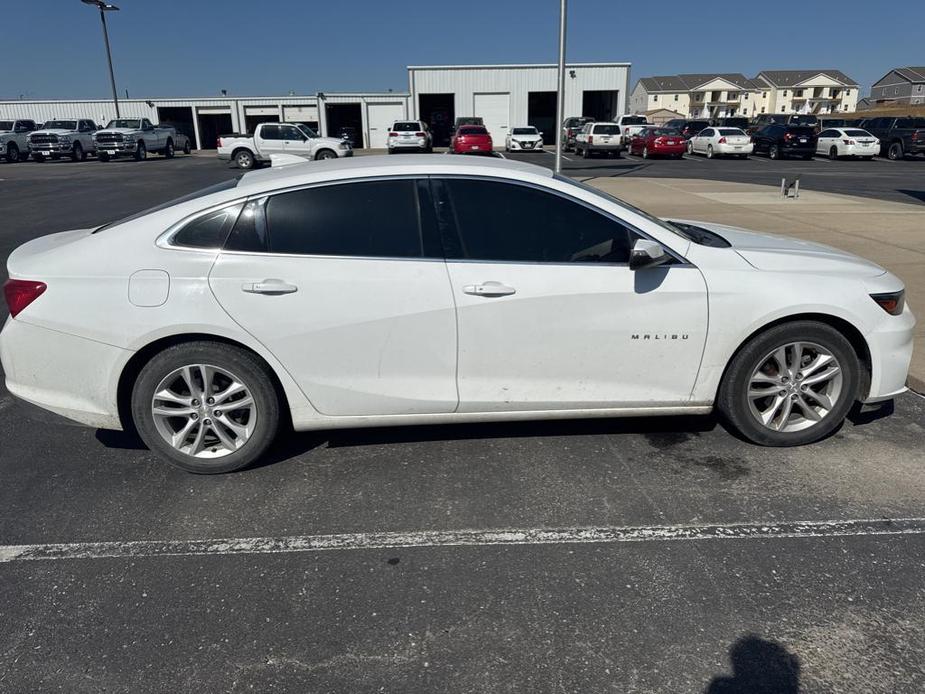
[(206, 407), (790, 385)]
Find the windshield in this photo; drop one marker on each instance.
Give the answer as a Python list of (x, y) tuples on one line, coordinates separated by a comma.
[(6, 125), (524, 131), (634, 120), (125, 123), (667, 226), (407, 127), (308, 132), (606, 130), (730, 131), (217, 188), (60, 125)]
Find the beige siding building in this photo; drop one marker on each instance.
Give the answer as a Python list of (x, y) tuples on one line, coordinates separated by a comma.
[(732, 94)]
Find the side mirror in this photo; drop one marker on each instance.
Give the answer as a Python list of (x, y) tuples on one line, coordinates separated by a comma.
[(647, 253)]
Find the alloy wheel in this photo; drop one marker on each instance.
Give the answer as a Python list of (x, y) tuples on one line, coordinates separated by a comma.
[(794, 387), (204, 411)]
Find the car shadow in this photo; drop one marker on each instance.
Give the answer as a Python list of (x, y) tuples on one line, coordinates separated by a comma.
[(759, 666), (917, 195)]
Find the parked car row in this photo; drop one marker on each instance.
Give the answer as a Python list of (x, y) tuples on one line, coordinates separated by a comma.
[(76, 138)]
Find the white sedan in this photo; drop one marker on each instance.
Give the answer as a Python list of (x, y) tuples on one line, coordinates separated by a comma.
[(721, 141), (524, 139), (847, 142), (419, 290)]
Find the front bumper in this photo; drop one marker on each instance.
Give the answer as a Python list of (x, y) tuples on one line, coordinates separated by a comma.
[(51, 148), (890, 354), (114, 149), (535, 146), (71, 376)]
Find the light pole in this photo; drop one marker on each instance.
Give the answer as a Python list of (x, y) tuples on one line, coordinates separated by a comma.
[(560, 102), (105, 7)]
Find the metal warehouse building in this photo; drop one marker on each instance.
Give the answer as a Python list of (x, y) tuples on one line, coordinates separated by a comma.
[(503, 95)]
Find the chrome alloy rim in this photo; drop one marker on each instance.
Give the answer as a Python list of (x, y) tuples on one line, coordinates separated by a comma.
[(204, 411), (794, 387)]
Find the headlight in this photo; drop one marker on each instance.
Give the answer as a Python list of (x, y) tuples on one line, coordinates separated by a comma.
[(64, 139), (129, 138)]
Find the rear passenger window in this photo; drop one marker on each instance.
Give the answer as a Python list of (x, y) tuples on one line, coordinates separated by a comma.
[(371, 219), (514, 223), (209, 230)]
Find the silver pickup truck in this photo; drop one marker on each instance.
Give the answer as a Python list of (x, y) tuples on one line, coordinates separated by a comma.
[(135, 137), (14, 139), (69, 137)]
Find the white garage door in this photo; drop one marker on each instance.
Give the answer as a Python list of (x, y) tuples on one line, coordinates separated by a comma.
[(495, 110), (300, 114), (381, 117)]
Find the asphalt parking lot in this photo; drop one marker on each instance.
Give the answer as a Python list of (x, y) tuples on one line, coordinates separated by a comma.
[(640, 555)]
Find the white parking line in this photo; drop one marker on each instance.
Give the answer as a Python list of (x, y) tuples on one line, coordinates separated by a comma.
[(460, 538)]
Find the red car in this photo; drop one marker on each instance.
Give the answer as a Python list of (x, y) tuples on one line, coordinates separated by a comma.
[(658, 142), (470, 138)]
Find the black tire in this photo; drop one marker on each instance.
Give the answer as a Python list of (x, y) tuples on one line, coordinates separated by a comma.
[(38, 157), (709, 151), (246, 366), (732, 398), (895, 152), (325, 154), (245, 159), (186, 147), (833, 153), (77, 153), (102, 156), (774, 152), (141, 152), (645, 152), (168, 149), (12, 153), (586, 153)]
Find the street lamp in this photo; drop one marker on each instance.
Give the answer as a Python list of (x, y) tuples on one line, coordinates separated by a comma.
[(105, 7), (560, 101)]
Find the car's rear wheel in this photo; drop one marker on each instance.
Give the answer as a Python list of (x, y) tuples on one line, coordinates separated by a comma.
[(790, 385), (645, 152), (186, 147), (206, 407), (833, 153), (774, 152), (244, 159), (709, 151), (12, 153), (169, 150), (895, 152)]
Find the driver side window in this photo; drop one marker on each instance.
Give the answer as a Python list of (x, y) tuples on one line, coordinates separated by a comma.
[(289, 132), (526, 225)]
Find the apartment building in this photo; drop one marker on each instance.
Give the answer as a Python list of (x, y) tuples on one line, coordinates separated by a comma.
[(901, 85), (717, 95)]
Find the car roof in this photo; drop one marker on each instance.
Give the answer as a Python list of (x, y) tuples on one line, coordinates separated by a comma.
[(383, 165)]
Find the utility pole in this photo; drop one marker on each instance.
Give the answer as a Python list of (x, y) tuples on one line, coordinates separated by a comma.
[(105, 7)]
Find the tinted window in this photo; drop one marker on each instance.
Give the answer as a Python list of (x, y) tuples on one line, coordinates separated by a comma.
[(828, 133), (730, 131), (270, 132), (6, 125), (473, 130), (406, 127), (606, 129), (209, 230), (373, 218), (634, 120), (802, 131), (857, 133), (289, 132), (507, 222), (524, 131)]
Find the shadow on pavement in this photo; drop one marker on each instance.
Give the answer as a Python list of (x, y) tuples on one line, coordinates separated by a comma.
[(918, 195), (759, 666)]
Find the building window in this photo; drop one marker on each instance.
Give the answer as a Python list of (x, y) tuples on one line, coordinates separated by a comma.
[(676, 96), (764, 95), (655, 98), (762, 109), (745, 96), (846, 107), (783, 109), (785, 92)]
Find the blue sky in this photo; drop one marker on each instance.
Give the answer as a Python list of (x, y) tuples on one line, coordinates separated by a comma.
[(198, 47)]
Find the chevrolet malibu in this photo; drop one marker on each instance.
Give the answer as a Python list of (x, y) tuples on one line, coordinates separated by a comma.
[(371, 292)]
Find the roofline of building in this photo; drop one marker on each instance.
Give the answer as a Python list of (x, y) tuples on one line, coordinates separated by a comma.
[(143, 100), (512, 65)]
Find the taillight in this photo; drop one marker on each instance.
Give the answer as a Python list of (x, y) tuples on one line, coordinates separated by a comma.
[(590, 139), (419, 134), (21, 293), (915, 135), (722, 140), (393, 134), (218, 143), (788, 136), (892, 303)]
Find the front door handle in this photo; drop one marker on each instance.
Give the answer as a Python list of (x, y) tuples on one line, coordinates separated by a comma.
[(270, 286), (489, 289)]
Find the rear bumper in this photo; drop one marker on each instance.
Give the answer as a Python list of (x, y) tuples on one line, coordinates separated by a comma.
[(609, 147), (68, 375), (417, 143), (731, 149)]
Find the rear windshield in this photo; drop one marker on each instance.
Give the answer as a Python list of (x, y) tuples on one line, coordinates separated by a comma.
[(217, 188), (730, 131), (60, 125), (606, 129), (523, 131), (857, 133), (6, 125), (804, 120), (665, 131), (737, 122), (473, 130), (634, 120), (407, 127)]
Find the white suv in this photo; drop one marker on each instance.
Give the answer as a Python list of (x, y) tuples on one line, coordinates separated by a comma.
[(599, 137), (410, 134)]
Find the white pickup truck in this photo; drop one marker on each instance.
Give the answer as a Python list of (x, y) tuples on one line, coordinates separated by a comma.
[(71, 137), (14, 139), (279, 138), (627, 120), (134, 137)]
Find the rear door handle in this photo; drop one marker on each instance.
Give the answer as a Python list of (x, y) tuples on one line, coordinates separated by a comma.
[(270, 286), (489, 289)]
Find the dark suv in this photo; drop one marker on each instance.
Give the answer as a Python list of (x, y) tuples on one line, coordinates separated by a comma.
[(570, 128), (781, 141), (687, 128)]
